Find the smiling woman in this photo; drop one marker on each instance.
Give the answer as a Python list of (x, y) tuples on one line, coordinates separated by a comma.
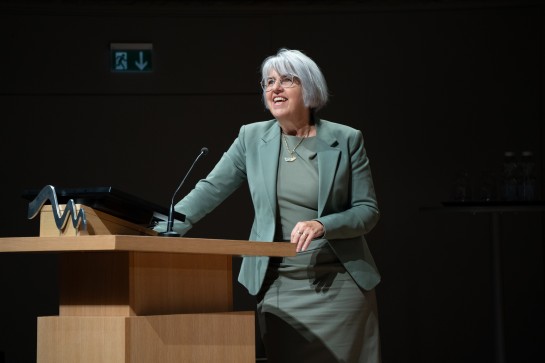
[(311, 185), (293, 64)]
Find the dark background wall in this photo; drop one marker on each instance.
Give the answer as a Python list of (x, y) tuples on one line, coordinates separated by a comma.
[(437, 87)]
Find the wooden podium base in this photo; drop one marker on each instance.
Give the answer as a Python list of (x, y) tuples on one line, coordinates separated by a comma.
[(189, 338), (142, 299)]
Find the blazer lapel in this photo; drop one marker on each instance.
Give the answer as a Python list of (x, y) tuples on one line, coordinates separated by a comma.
[(328, 160), (269, 150)]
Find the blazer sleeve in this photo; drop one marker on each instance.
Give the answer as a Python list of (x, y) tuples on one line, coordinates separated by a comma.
[(226, 176), (358, 214)]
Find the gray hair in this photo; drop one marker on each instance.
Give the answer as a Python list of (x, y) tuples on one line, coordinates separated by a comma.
[(289, 61)]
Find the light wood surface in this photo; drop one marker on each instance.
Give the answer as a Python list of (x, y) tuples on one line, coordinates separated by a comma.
[(94, 284), (139, 299), (180, 283), (144, 283), (188, 338), (116, 275), (145, 244), (81, 339), (192, 338)]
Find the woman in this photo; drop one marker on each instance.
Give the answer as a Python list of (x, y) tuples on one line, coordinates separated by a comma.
[(311, 185)]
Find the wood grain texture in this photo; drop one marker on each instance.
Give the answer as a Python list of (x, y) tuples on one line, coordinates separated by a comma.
[(174, 283), (94, 284), (189, 338), (144, 283), (81, 340), (192, 338)]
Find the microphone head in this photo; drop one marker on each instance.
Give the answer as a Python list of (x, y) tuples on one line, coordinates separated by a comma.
[(204, 150)]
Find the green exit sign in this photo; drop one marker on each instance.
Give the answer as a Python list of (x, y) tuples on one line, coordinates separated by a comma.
[(131, 57)]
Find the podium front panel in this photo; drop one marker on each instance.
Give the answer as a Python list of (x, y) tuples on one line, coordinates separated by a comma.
[(144, 283)]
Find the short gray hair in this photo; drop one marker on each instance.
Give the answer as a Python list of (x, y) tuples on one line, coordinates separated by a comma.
[(290, 61)]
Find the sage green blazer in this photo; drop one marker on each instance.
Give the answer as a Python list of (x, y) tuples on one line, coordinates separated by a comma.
[(347, 205)]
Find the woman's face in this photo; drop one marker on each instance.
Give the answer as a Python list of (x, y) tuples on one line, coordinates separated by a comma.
[(285, 102)]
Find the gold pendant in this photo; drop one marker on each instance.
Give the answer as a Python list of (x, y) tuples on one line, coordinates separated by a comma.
[(290, 159)]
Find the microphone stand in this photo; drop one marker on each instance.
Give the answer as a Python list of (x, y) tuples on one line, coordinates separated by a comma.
[(170, 223)]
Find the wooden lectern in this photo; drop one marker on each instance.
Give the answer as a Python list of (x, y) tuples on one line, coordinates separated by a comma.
[(144, 298)]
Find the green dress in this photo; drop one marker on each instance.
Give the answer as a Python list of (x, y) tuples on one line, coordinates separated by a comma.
[(309, 308)]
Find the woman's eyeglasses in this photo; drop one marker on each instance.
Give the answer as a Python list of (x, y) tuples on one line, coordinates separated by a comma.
[(286, 81)]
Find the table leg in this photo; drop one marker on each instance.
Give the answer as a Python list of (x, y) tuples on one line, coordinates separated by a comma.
[(497, 288)]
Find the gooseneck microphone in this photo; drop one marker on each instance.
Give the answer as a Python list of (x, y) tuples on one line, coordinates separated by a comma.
[(170, 223)]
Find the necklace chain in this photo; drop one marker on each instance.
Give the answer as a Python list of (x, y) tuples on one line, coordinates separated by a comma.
[(292, 152)]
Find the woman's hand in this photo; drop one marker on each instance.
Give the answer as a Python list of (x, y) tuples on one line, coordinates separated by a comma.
[(304, 232)]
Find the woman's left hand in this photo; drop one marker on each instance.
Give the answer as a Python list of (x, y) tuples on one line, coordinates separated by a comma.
[(304, 232)]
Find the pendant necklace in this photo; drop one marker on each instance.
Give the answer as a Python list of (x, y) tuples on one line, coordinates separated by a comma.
[(292, 152)]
